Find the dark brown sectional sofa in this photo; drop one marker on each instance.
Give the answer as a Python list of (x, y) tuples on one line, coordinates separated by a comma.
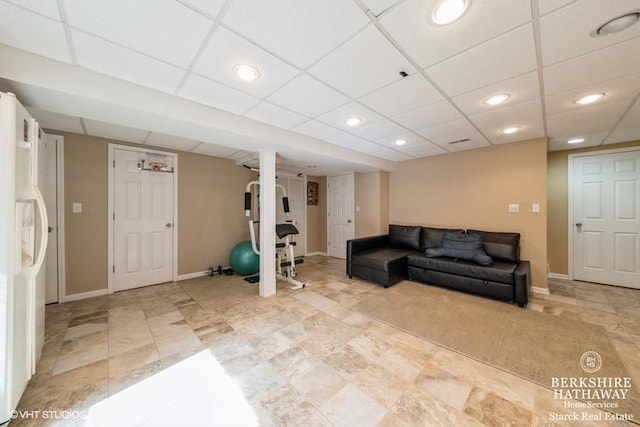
[(389, 258)]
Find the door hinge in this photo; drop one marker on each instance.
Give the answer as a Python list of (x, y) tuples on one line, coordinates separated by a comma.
[(114, 216), (114, 163), (113, 268)]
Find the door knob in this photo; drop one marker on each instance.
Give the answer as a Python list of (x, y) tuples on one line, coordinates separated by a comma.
[(168, 225), (348, 221), (579, 224), (50, 229)]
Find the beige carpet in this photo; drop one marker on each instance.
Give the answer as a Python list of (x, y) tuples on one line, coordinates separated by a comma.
[(532, 345)]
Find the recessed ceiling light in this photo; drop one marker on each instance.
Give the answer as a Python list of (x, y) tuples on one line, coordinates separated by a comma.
[(575, 141), (510, 130), (497, 99), (448, 11), (588, 99), (400, 142), (246, 72), (353, 121), (617, 24)]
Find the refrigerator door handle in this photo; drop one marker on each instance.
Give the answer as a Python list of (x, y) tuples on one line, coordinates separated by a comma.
[(44, 234)]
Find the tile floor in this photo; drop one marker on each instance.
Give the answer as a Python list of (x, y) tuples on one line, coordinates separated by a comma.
[(153, 356)]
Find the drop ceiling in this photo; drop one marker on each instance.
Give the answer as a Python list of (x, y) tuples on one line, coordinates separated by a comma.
[(160, 72)]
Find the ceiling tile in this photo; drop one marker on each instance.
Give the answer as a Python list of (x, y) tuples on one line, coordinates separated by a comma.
[(587, 115), (210, 7), (428, 116), (624, 135), (522, 88), (502, 58), (410, 24), (354, 70), (491, 122), (379, 6), (115, 132), (529, 129), (386, 132), (390, 154), (449, 130), (591, 140), (353, 142), (475, 140), (216, 95), (104, 57), (546, 6), (274, 115), (579, 20), (45, 7), (57, 122), (209, 149), (405, 95), (308, 96), (578, 130), (44, 37), (338, 116), (316, 129), (225, 50), (169, 141), (603, 65), (171, 31), (300, 32), (420, 148), (624, 88)]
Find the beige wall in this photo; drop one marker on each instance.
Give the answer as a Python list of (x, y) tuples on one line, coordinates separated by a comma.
[(371, 203), (210, 211), (317, 218), (558, 201), (85, 181), (472, 189)]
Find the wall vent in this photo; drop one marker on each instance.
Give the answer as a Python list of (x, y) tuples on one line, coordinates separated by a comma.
[(459, 141)]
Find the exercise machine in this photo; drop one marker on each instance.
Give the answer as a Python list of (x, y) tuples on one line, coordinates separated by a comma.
[(285, 259)]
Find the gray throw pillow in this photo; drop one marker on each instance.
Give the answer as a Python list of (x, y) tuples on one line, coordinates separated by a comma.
[(461, 246)]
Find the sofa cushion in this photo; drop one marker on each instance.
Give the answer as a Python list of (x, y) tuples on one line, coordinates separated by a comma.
[(380, 259), (476, 255), (500, 271), (404, 236), (500, 245), (431, 237), (462, 246)]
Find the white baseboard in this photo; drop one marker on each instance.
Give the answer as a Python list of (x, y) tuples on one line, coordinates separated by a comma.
[(317, 253), (191, 275), (84, 295), (539, 290), (558, 276)]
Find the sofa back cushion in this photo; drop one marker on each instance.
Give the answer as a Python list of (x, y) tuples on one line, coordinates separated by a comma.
[(404, 236), (432, 237), (500, 245)]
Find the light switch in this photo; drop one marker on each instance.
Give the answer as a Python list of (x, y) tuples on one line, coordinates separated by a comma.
[(357, 208), (514, 207), (535, 207), (77, 208)]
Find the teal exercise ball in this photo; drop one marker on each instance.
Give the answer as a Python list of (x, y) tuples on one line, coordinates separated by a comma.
[(243, 260)]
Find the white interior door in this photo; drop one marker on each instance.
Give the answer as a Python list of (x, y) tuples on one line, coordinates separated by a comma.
[(48, 183), (295, 186), (606, 228), (143, 223), (340, 213)]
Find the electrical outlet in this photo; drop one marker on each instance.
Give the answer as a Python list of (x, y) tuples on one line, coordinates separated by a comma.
[(535, 207), (514, 207), (77, 208)]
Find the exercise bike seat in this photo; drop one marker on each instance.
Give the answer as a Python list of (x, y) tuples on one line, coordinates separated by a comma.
[(284, 230)]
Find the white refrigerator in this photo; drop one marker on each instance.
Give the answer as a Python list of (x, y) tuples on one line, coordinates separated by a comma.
[(23, 241)]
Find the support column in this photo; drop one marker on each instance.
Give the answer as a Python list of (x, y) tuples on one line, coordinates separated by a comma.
[(267, 223)]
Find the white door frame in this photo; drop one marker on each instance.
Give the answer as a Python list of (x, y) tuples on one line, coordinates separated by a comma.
[(60, 215), (570, 197), (352, 225), (110, 260)]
